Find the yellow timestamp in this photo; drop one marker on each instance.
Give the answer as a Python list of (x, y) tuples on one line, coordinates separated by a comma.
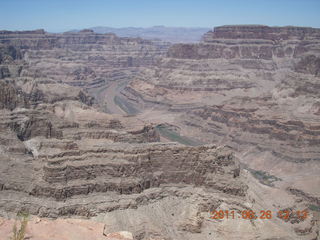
[(263, 214)]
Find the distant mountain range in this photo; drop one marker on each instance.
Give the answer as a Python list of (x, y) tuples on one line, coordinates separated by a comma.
[(170, 34)]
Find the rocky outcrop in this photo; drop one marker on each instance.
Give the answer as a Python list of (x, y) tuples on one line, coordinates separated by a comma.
[(128, 176), (295, 134), (149, 133), (250, 42), (75, 171), (9, 53), (309, 64), (261, 32), (10, 98)]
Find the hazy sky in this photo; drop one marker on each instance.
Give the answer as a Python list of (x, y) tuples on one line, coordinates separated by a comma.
[(62, 15)]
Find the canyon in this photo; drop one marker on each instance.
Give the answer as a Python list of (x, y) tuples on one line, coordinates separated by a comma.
[(168, 34), (149, 137)]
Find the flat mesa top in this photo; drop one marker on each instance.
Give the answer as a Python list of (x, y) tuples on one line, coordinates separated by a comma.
[(263, 27)]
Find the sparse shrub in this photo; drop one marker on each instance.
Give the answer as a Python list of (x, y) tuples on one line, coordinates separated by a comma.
[(19, 234), (314, 207), (175, 136), (264, 177)]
